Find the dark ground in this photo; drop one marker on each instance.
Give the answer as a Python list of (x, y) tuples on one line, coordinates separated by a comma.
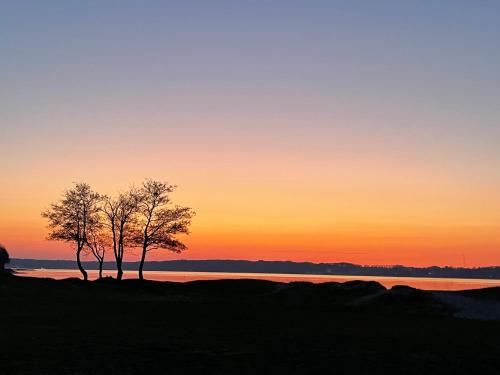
[(236, 327)]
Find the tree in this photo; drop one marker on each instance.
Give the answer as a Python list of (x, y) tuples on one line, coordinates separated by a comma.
[(120, 215), (97, 243), (158, 222), (4, 258), (70, 218)]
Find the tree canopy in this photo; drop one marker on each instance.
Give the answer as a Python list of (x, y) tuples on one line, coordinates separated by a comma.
[(139, 217)]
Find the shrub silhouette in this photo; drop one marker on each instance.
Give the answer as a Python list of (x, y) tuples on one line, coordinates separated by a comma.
[(4, 258)]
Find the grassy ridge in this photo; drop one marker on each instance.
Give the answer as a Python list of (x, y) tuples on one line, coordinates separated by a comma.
[(235, 327)]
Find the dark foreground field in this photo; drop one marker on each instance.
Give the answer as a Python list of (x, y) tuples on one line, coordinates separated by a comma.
[(238, 327)]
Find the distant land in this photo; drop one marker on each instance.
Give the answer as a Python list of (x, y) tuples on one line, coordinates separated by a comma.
[(287, 267)]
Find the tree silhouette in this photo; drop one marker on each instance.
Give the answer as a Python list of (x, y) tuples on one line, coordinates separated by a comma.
[(143, 218), (120, 217), (72, 216), (4, 258), (158, 222), (97, 244)]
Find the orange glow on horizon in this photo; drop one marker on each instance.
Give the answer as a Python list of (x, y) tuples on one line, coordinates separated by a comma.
[(274, 205)]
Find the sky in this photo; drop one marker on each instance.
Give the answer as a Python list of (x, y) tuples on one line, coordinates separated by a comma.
[(324, 131)]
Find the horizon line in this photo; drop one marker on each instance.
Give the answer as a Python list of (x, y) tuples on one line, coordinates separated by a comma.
[(262, 260)]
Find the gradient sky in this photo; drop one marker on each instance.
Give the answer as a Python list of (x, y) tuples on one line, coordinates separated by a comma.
[(360, 131)]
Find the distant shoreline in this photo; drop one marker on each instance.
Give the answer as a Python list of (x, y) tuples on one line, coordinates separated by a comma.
[(274, 267)]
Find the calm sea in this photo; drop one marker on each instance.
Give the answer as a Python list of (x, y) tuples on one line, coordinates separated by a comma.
[(416, 282)]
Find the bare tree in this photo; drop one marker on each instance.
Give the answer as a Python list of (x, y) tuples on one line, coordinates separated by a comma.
[(158, 222), (120, 215), (97, 244), (70, 218)]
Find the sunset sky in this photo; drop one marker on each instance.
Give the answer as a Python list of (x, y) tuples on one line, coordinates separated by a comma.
[(358, 131)]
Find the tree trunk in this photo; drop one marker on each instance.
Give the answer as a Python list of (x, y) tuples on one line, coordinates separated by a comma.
[(119, 273), (141, 264), (80, 267), (100, 268)]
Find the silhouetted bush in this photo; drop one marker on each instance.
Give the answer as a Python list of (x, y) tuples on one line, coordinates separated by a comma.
[(4, 258)]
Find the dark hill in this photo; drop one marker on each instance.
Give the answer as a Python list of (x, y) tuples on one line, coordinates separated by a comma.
[(238, 326)]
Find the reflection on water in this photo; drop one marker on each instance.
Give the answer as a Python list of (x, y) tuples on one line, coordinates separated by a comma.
[(416, 282)]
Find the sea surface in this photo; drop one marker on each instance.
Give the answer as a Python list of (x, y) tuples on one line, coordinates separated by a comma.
[(178, 276)]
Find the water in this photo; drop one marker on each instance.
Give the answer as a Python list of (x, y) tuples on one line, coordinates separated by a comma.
[(388, 282)]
